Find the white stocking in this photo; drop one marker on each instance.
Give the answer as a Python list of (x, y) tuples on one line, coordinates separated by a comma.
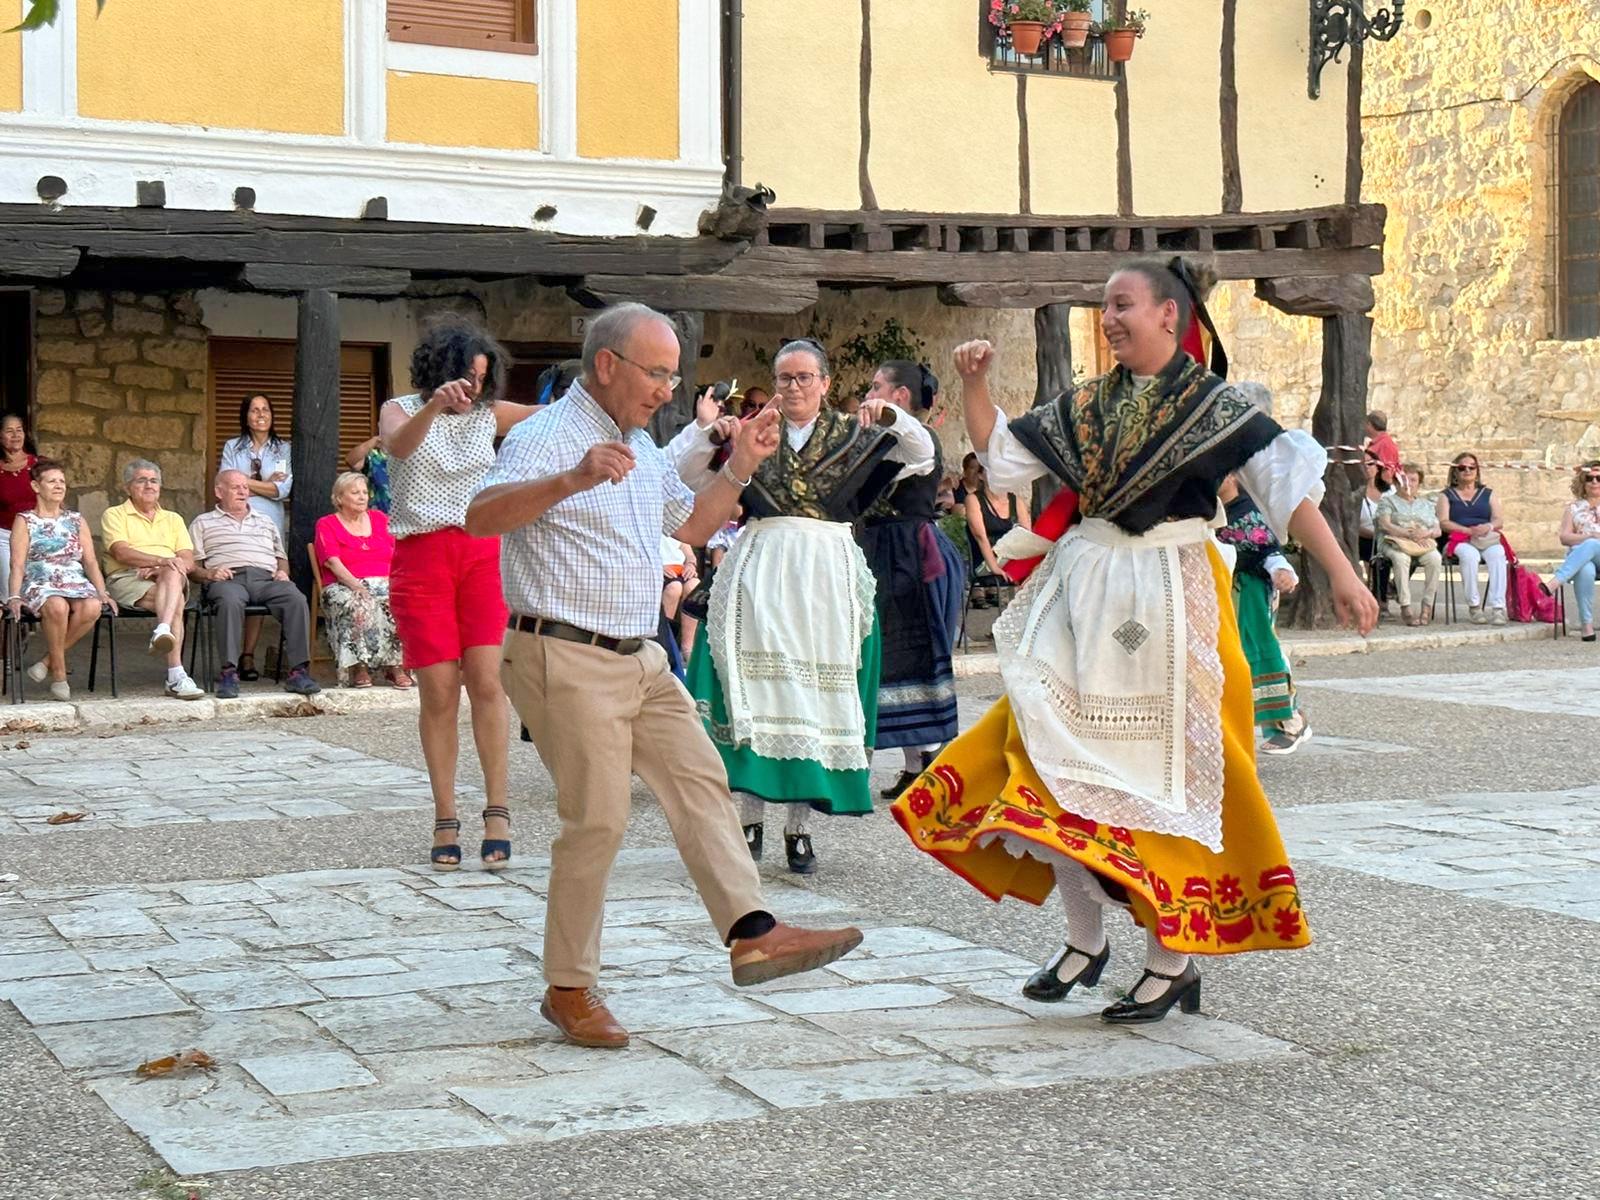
[(1159, 959), (751, 810), (795, 822), (1086, 927)]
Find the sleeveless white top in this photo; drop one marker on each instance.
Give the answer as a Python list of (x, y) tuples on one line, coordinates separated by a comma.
[(431, 487)]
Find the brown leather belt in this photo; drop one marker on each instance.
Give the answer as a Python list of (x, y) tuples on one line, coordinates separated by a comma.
[(544, 627)]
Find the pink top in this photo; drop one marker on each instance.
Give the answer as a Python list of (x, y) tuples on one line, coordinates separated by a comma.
[(364, 557)]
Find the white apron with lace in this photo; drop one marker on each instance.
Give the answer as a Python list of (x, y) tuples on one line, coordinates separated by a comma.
[(1109, 656), (790, 606)]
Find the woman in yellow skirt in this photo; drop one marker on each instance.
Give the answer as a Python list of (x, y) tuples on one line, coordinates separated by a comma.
[(1119, 767)]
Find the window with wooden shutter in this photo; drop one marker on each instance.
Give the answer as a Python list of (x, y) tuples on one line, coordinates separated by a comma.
[(242, 367), (475, 24), (1577, 225)]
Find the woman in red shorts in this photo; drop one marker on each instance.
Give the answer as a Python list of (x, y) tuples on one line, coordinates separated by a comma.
[(444, 585)]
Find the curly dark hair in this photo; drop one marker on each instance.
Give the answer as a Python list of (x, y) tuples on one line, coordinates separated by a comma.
[(445, 351)]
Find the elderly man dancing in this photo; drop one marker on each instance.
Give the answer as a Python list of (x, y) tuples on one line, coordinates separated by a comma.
[(581, 497)]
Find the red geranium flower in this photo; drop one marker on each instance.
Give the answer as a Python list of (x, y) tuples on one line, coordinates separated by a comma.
[(1162, 889), (954, 785), (1277, 877), (1200, 925), (1072, 843), (1082, 824), (920, 800), (1197, 887), (1231, 933), (1228, 889), (1286, 924), (1120, 834), (1169, 927), (1126, 866), (1017, 817)]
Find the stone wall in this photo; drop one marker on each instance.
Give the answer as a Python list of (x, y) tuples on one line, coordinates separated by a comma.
[(1457, 112), (120, 376)]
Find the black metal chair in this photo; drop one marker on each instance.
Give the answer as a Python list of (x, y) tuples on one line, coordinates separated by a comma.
[(14, 676), (203, 644), (132, 613), (976, 583)]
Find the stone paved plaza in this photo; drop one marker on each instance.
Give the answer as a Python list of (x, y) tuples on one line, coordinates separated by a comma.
[(257, 891)]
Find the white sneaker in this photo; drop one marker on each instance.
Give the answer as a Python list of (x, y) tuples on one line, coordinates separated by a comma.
[(60, 690), (1499, 617), (1476, 615), (162, 641), (185, 689), (38, 672)]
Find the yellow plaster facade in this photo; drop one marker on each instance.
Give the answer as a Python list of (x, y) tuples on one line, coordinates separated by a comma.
[(220, 63), (10, 58), (453, 110), (628, 78), (945, 130)]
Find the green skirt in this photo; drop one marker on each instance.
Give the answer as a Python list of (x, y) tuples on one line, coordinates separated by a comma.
[(788, 780), (1270, 684)]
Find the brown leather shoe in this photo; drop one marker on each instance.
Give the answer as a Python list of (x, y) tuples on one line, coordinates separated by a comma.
[(582, 1017), (786, 950)]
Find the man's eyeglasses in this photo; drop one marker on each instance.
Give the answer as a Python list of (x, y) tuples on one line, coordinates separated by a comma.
[(803, 380), (146, 481), (659, 376)]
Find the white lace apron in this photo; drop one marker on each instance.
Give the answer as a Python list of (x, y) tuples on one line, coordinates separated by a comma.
[(1109, 656), (790, 606)]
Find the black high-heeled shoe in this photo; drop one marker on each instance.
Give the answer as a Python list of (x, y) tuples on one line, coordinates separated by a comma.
[(1046, 984), (1184, 992)]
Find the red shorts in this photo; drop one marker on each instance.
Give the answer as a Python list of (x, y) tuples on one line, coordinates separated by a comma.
[(444, 592)]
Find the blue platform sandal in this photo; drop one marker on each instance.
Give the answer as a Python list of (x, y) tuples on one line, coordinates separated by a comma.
[(496, 846), (446, 858)]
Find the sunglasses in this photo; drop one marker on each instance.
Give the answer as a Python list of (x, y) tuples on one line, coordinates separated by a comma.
[(255, 468)]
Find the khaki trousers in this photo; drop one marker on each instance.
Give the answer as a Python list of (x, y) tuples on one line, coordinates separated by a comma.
[(597, 718)]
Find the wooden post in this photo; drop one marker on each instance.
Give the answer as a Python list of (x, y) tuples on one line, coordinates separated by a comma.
[(1052, 356), (1337, 421), (315, 451), (672, 417)]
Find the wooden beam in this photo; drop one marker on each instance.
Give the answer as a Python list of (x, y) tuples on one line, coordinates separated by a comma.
[(1020, 295), (702, 293), (1052, 349), (845, 267), (37, 262), (315, 449), (1374, 213), (1317, 295), (1232, 175), (300, 277)]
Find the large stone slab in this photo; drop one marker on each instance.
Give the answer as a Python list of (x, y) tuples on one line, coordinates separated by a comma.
[(978, 959), (857, 999), (892, 1079), (264, 986), (91, 998), (694, 1006), (102, 1046), (765, 1045), (312, 1071), (629, 1096), (242, 1145)]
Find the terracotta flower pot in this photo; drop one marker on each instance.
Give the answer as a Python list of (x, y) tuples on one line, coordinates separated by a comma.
[(1075, 29), (1119, 44), (1026, 36)]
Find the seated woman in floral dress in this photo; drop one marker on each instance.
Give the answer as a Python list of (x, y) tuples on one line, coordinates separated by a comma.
[(54, 574), (354, 550)]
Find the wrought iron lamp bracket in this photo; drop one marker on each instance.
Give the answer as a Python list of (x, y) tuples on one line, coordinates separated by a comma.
[(1336, 24)]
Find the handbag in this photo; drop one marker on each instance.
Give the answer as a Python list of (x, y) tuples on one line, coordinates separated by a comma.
[(1484, 541), (1410, 547)]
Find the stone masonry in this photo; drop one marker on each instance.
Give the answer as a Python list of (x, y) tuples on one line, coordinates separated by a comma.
[(1458, 111), (121, 375)]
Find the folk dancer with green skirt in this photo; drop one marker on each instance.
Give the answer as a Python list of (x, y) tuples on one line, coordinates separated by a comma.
[(1260, 574), (786, 674)]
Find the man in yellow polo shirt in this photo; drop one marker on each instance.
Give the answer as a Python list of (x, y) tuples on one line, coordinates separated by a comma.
[(148, 560)]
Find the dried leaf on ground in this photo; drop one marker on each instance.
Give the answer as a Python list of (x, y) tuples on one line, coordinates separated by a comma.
[(176, 1064), (65, 818)]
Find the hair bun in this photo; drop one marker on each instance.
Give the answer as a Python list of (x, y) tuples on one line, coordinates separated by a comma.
[(1202, 275)]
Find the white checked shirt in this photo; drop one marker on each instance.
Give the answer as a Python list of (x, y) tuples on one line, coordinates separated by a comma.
[(594, 559)]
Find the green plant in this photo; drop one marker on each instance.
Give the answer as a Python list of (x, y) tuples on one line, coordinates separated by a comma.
[(44, 12), (1136, 21), (859, 355), (1004, 12)]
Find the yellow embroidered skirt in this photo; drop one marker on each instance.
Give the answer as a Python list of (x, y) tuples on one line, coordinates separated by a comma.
[(983, 788)]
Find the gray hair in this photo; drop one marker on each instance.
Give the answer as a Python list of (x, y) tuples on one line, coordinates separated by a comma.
[(137, 465), (612, 329), (804, 346), (217, 479)]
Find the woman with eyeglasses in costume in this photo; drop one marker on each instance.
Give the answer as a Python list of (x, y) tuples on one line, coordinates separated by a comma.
[(1471, 518), (921, 586), (444, 584), (262, 457), (1580, 533), (1119, 766), (786, 669)]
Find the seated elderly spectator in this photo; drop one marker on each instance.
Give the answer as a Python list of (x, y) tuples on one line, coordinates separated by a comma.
[(242, 561), (54, 574), (148, 560), (1407, 527), (1580, 533), (1381, 447), (354, 550), (1471, 517)]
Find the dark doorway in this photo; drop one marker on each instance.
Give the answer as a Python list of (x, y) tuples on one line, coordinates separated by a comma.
[(16, 354)]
